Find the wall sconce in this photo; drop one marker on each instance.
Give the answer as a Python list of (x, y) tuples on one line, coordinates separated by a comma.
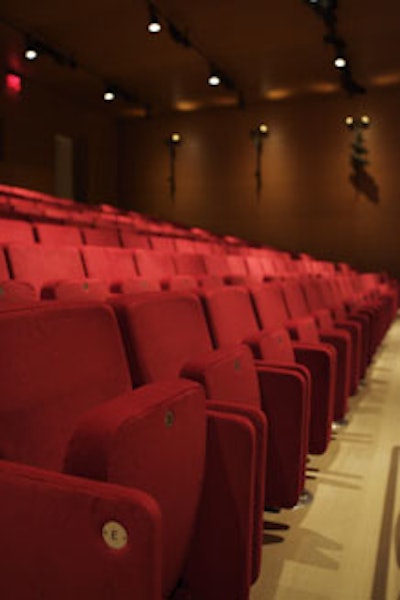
[(257, 136), (172, 142), (359, 150), (360, 178)]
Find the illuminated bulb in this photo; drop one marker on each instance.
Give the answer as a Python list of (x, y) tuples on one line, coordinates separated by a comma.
[(365, 120), (214, 80), (175, 138), (31, 54), (109, 96), (154, 27), (263, 129), (349, 121), (340, 62)]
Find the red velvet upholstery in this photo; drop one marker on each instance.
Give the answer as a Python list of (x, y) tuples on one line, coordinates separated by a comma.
[(68, 405), (180, 283), (113, 265), (182, 245), (325, 321), (162, 243), (153, 264), (189, 264), (232, 320), (93, 236), (4, 272), (76, 290), (16, 291), (52, 525), (298, 311), (129, 444), (58, 235), (15, 231), (164, 333), (39, 264), (131, 239), (319, 359)]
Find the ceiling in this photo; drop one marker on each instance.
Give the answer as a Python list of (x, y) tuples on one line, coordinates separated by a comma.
[(271, 50)]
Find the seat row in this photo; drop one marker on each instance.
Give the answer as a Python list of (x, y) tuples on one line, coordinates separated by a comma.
[(159, 491)]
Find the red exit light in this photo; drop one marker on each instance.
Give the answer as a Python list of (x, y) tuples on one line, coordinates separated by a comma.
[(13, 83)]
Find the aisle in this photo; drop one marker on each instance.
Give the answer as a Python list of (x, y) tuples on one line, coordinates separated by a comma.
[(346, 544)]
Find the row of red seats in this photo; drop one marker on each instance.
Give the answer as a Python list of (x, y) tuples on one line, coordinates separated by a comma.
[(163, 491), (67, 411)]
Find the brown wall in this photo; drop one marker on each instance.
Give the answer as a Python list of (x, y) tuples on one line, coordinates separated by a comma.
[(28, 125), (307, 202)]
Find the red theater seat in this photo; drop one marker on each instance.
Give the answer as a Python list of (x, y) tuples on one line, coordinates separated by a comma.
[(319, 358), (162, 243), (58, 235), (303, 326), (40, 265), (131, 239), (16, 231), (93, 236), (232, 320), (165, 336), (16, 292), (90, 470), (325, 321), (112, 265)]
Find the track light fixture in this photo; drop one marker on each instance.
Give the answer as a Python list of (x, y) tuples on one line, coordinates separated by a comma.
[(340, 62), (109, 94), (178, 36), (214, 78), (31, 51), (216, 75), (154, 25), (327, 11), (35, 47)]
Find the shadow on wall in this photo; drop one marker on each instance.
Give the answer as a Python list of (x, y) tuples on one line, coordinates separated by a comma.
[(365, 184)]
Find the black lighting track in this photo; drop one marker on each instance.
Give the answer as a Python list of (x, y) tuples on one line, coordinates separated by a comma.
[(181, 37), (65, 59), (327, 11)]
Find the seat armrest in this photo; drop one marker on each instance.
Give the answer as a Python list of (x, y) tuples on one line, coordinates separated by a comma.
[(59, 531), (220, 559), (285, 401), (259, 422)]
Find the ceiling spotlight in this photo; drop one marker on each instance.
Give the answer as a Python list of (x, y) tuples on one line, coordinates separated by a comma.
[(154, 25), (214, 78), (109, 95), (340, 62), (31, 53)]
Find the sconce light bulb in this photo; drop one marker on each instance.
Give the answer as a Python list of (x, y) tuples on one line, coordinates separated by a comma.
[(349, 121), (175, 138), (263, 128), (365, 120)]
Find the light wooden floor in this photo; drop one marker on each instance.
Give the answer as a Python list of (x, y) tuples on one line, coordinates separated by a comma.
[(346, 544)]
